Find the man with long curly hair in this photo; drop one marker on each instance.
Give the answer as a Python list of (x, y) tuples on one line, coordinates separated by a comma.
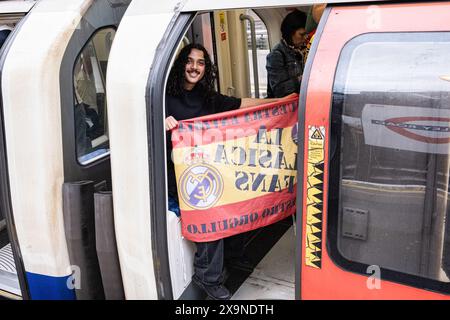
[(191, 93)]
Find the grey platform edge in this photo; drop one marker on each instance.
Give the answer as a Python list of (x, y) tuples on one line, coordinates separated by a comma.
[(105, 240), (79, 225)]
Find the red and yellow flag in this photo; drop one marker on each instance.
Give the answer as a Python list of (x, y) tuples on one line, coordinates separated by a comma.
[(236, 171)]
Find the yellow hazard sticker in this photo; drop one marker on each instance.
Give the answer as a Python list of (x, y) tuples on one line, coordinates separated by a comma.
[(314, 200)]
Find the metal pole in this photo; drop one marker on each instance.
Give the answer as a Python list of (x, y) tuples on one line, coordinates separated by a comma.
[(428, 213), (254, 52)]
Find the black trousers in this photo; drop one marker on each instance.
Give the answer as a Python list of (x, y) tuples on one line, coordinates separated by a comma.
[(210, 257)]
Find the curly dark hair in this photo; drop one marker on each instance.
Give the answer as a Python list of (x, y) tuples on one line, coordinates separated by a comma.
[(175, 84)]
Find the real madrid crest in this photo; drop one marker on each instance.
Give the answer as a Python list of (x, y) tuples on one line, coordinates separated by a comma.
[(201, 186)]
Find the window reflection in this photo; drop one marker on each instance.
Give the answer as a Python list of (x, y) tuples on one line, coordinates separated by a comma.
[(393, 110), (91, 130)]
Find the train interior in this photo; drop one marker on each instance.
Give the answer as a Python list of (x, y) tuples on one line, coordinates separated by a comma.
[(240, 57)]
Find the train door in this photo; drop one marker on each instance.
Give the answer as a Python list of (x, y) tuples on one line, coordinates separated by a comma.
[(375, 215), (57, 143), (135, 152), (11, 269)]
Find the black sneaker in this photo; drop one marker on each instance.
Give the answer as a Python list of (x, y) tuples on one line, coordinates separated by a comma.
[(215, 292)]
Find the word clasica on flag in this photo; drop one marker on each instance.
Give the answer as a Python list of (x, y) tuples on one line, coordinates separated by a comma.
[(236, 171)]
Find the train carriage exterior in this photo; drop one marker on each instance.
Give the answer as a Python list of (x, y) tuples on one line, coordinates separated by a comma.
[(42, 54), (372, 194)]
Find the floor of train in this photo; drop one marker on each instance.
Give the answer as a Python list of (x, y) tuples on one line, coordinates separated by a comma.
[(274, 277), (274, 274)]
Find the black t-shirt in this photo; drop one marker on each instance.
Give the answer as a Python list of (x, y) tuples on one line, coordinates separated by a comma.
[(192, 104)]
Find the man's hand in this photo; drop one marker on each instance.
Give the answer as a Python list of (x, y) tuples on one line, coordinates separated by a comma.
[(171, 123)]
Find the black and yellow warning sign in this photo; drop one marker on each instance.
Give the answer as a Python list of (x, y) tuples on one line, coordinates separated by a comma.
[(314, 201), (317, 135)]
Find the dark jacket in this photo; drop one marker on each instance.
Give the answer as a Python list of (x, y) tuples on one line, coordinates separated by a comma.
[(284, 68), (87, 128), (3, 36)]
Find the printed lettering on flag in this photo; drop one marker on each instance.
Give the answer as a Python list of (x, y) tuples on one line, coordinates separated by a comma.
[(236, 171)]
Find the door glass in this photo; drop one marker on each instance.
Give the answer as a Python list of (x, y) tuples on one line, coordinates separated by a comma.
[(92, 141), (392, 101)]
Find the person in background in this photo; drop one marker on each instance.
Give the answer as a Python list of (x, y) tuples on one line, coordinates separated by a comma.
[(313, 18), (312, 21), (87, 121), (191, 93), (5, 30), (285, 63)]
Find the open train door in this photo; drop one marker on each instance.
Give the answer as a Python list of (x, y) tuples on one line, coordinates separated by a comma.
[(375, 216), (137, 72), (56, 136)]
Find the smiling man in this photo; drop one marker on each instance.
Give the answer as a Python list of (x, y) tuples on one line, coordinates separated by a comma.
[(191, 93)]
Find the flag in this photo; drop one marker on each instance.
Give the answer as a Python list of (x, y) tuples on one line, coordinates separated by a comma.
[(236, 171)]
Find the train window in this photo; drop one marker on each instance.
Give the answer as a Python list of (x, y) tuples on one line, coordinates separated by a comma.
[(390, 158), (262, 50), (91, 129)]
